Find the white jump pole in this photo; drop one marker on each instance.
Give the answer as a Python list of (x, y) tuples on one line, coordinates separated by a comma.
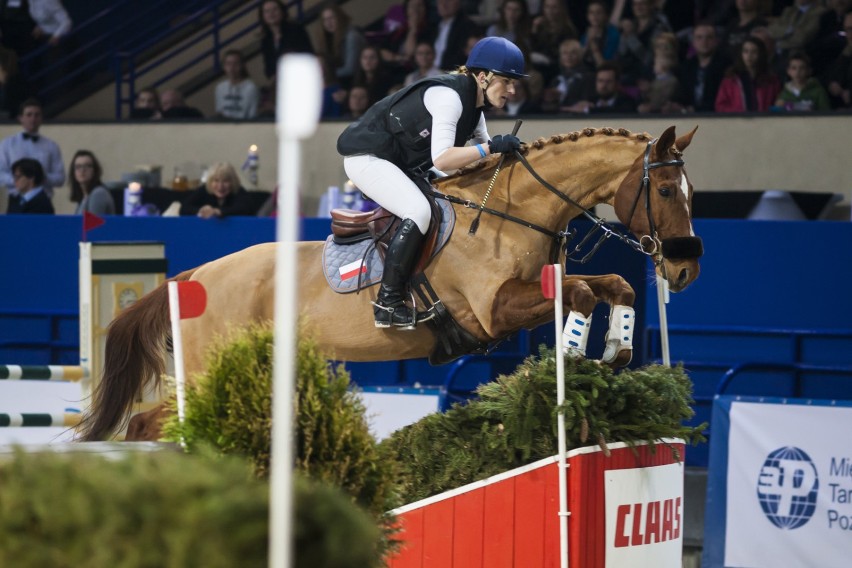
[(662, 300), (177, 351), (298, 105), (86, 339)]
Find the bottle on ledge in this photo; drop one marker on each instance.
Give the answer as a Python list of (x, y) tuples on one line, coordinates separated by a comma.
[(180, 182)]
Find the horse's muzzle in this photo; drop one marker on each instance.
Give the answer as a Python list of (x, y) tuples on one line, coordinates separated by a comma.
[(682, 248)]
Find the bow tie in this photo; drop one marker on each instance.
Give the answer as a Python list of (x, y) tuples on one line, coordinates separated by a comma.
[(33, 137)]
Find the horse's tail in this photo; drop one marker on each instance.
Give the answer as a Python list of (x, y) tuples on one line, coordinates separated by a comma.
[(134, 356)]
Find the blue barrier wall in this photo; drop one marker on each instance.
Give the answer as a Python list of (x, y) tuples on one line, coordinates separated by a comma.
[(769, 293)]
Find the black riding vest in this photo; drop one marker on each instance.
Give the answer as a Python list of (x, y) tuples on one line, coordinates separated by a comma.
[(398, 128)]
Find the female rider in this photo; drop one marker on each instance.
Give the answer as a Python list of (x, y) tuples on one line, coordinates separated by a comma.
[(423, 126)]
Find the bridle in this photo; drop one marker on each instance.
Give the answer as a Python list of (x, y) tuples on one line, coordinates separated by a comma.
[(677, 247), (671, 248)]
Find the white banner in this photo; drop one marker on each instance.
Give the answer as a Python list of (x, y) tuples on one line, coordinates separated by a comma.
[(789, 486), (644, 516)]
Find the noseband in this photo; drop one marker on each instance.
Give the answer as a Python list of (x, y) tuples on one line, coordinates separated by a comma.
[(675, 248)]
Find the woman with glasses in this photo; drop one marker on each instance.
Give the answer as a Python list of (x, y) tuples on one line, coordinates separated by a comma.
[(87, 190)]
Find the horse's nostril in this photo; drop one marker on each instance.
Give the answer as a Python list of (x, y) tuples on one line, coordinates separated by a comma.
[(683, 276)]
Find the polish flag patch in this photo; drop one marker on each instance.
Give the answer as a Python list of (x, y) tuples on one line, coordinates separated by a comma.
[(352, 269)]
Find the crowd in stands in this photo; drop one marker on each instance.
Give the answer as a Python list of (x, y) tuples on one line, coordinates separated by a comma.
[(665, 55), (583, 57), (600, 56)]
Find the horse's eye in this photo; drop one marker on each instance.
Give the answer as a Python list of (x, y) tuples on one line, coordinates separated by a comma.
[(665, 192)]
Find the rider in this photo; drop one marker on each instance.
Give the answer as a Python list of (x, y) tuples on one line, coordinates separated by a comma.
[(426, 125)]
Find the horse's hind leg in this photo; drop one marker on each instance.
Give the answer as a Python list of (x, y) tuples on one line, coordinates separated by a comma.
[(617, 292)]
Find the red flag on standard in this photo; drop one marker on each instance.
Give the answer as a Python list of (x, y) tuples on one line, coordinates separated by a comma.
[(91, 221), (192, 298), (548, 285)]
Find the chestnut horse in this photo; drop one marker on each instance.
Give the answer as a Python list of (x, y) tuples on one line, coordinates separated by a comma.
[(489, 281)]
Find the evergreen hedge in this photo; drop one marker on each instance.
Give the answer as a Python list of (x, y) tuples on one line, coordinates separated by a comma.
[(512, 421), (229, 408), (165, 510)]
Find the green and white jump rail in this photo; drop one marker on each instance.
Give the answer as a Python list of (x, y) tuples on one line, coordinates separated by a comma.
[(40, 419), (43, 373)]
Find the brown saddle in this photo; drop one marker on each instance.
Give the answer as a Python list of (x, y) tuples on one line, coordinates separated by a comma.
[(380, 225)]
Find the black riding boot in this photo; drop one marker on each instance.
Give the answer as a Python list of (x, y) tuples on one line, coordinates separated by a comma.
[(390, 308)]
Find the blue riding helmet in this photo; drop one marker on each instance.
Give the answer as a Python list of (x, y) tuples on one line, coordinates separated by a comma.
[(498, 55)]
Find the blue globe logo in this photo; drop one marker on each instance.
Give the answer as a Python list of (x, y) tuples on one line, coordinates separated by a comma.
[(787, 488)]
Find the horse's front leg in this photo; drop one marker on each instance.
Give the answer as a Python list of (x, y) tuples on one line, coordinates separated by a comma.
[(520, 304), (617, 292)]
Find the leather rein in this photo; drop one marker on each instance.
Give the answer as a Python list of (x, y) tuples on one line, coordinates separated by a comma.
[(563, 238)]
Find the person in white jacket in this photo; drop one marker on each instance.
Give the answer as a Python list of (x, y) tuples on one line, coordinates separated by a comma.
[(237, 96), (51, 19)]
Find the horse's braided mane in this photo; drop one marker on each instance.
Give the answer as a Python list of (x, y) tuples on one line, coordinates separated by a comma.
[(540, 143)]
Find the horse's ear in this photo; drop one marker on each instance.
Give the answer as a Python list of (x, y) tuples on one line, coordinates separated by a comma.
[(664, 143), (682, 142)]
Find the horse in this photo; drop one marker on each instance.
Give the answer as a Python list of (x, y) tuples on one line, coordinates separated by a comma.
[(488, 281)]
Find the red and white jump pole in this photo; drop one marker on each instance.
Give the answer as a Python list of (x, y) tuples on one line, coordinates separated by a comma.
[(551, 287)]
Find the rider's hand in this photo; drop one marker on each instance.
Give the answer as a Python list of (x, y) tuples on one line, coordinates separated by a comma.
[(504, 144)]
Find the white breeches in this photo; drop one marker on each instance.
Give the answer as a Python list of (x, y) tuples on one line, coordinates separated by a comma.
[(387, 185)]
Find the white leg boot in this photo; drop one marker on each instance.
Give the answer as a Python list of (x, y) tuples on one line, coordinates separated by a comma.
[(622, 320), (575, 334)]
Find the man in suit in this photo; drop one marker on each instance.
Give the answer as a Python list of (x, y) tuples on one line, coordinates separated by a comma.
[(701, 75), (608, 98), (452, 32), (797, 26), (31, 144), (29, 196)]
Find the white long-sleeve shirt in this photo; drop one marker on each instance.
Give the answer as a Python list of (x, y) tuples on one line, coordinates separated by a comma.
[(51, 17), (238, 102)]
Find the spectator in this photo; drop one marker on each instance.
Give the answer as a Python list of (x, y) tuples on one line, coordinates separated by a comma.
[(221, 196), (802, 91), (749, 85), (357, 101), (173, 106), (549, 30), (237, 96), (575, 81), (797, 26), (87, 190), (52, 22), (279, 35), (518, 103), (146, 105), (400, 47), (424, 55), (739, 27), (372, 74), (453, 31), (16, 27), (29, 195), (635, 47), (701, 75), (31, 144), (607, 98), (664, 89), (839, 74), (831, 39), (11, 87), (338, 44), (601, 38), (513, 23)]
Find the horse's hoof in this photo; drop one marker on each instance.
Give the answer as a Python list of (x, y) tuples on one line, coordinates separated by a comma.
[(622, 359)]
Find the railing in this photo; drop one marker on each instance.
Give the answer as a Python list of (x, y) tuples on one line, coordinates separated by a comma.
[(125, 66), (54, 344), (798, 363), (134, 29)]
